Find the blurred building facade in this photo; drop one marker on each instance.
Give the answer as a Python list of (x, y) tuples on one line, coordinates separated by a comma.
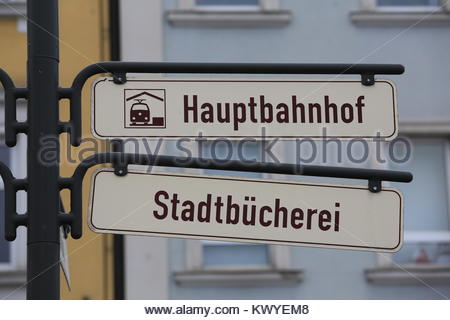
[(411, 32), (92, 273)]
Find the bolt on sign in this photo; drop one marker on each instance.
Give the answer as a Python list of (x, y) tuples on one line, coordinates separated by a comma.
[(246, 210), (239, 108)]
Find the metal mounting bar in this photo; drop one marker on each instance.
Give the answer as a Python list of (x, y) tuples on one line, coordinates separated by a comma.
[(119, 69), (12, 93), (375, 185), (120, 166), (62, 215), (76, 180), (6, 80), (12, 218), (120, 78)]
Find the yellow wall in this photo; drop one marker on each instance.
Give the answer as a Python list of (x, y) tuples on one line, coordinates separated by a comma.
[(83, 41), (14, 59)]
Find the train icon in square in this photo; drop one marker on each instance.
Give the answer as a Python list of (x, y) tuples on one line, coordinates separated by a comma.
[(145, 108)]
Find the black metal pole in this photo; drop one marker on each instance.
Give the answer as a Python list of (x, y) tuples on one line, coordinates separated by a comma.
[(43, 117), (119, 248), (118, 239)]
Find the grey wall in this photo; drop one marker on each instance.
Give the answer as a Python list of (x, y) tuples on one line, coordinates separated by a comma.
[(321, 32)]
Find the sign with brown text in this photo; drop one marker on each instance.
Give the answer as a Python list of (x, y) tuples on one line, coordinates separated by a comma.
[(246, 210), (240, 108)]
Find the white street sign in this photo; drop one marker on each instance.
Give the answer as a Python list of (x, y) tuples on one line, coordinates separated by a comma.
[(238, 108), (246, 210), (64, 257)]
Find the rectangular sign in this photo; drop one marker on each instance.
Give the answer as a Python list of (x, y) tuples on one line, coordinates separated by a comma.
[(239, 108), (246, 210)]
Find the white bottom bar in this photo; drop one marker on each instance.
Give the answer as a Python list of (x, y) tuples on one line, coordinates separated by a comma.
[(226, 309)]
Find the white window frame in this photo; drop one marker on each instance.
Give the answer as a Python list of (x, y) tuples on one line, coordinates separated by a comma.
[(412, 237), (370, 14), (264, 5), (277, 271), (279, 258), (13, 8), (266, 13), (371, 5), (387, 271)]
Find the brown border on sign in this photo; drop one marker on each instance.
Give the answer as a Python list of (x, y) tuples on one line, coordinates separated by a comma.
[(94, 131), (400, 223)]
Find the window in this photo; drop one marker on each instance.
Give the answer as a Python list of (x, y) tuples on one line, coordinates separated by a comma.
[(228, 5), (5, 250), (402, 12), (427, 219), (403, 4), (12, 254), (235, 263), (228, 13), (15, 8), (216, 263), (225, 254), (426, 250)]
